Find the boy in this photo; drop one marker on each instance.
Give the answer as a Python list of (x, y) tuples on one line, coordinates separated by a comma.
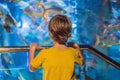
[(57, 61)]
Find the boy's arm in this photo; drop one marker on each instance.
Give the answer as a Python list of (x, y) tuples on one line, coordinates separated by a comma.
[(33, 48), (76, 46), (79, 51)]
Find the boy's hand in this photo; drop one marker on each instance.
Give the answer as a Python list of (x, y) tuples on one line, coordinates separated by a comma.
[(34, 45), (33, 48), (75, 45)]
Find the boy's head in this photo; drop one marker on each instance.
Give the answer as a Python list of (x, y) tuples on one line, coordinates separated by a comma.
[(60, 28)]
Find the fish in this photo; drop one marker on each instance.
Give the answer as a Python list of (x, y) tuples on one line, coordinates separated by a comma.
[(114, 27), (6, 60), (97, 40), (55, 9), (106, 42), (45, 11), (52, 10), (7, 23), (20, 77), (5, 13), (7, 19), (108, 33), (33, 14), (6, 57)]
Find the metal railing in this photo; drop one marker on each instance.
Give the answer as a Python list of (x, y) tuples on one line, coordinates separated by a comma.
[(83, 47)]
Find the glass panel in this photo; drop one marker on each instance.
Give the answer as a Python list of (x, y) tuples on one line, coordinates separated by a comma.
[(107, 37), (14, 66), (98, 69), (112, 51)]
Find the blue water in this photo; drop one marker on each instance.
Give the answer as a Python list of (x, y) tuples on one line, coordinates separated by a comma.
[(22, 22)]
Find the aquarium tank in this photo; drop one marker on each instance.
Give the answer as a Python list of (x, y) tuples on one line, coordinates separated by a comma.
[(94, 22)]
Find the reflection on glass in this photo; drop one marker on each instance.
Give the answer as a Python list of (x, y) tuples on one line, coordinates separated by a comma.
[(98, 69)]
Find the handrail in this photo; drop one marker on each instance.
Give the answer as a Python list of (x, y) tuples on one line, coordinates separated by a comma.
[(26, 48), (83, 47)]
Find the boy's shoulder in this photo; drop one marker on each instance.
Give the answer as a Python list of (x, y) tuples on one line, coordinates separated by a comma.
[(51, 49)]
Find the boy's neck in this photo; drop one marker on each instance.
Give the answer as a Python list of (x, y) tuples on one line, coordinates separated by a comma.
[(59, 46)]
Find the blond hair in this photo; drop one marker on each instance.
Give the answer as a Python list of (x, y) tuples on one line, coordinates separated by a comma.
[(60, 27)]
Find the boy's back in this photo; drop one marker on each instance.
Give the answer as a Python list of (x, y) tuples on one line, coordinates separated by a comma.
[(58, 61), (57, 64)]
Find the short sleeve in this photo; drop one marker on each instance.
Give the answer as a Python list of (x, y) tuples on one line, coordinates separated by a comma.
[(78, 59), (38, 60)]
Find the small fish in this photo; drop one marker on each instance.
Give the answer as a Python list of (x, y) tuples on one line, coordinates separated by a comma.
[(109, 43), (97, 40), (7, 18), (20, 77), (111, 29), (51, 10), (33, 14), (114, 27), (6, 61), (7, 72), (56, 9), (105, 41), (6, 57), (7, 22)]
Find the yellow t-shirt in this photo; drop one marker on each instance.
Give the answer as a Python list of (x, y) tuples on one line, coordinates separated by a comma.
[(57, 64)]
